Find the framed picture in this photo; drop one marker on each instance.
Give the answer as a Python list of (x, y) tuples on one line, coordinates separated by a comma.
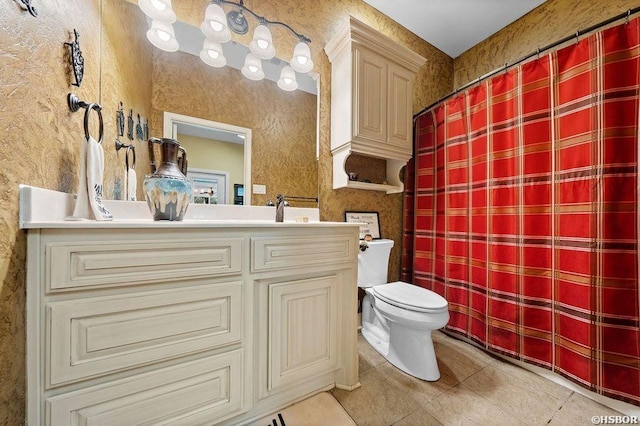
[(371, 222)]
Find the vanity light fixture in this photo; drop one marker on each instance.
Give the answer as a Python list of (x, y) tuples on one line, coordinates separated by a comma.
[(161, 35), (216, 27), (287, 79)]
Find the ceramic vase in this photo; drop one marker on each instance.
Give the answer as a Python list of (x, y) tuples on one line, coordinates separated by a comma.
[(167, 189)]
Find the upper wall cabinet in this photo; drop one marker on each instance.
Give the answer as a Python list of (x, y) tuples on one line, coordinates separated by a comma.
[(371, 101)]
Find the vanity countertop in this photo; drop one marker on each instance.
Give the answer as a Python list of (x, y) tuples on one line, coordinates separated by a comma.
[(43, 208)]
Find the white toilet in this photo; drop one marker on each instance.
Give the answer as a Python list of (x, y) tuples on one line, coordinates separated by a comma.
[(398, 318)]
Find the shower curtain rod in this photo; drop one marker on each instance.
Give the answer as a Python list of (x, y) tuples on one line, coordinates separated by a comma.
[(506, 66)]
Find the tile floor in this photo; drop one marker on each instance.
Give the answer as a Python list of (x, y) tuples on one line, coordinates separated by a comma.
[(474, 389)]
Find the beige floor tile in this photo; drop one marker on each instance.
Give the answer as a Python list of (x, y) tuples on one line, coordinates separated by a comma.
[(322, 408), (420, 390), (363, 364), (578, 410), (418, 418), (557, 391), (462, 406), (466, 348), (514, 396), (459, 363), (377, 403), (366, 351)]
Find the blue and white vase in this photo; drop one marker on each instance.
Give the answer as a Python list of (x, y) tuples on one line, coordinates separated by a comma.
[(167, 190)]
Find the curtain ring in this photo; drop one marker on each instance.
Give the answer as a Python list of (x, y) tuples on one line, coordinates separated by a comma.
[(577, 36), (628, 14), (538, 52), (87, 112)]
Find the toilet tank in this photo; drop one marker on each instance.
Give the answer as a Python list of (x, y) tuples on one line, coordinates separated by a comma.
[(373, 263)]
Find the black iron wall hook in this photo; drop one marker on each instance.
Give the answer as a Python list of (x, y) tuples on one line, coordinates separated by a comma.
[(75, 104), (26, 4), (77, 60)]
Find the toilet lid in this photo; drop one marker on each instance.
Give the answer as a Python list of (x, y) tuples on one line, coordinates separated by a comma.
[(410, 296)]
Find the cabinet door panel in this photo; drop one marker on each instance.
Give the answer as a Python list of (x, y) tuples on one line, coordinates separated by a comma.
[(400, 107), (370, 105), (302, 329), (191, 393), (95, 336)]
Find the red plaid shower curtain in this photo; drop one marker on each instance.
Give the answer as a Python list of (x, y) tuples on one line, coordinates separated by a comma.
[(522, 211)]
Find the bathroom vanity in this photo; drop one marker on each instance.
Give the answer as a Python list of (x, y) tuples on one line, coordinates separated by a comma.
[(206, 321)]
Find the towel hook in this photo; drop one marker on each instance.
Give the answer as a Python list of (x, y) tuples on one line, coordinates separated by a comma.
[(75, 104)]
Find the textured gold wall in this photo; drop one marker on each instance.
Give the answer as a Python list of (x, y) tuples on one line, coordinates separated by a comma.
[(40, 138), (548, 23)]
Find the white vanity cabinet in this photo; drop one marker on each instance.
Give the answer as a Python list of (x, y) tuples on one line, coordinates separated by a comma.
[(189, 323), (371, 101)]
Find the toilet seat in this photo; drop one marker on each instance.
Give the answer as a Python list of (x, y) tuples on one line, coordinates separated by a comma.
[(410, 297)]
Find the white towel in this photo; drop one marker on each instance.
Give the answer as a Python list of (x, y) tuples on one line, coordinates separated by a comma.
[(132, 184), (89, 200)]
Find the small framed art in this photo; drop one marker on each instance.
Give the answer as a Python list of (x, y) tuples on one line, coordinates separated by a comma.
[(371, 222)]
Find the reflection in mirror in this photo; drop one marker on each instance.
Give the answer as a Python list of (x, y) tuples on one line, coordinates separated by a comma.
[(283, 125), (219, 158)]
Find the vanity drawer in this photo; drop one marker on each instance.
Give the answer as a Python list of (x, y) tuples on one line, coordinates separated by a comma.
[(272, 253), (95, 336), (196, 392), (114, 263)]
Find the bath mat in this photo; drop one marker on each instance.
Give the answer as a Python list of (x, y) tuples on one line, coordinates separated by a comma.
[(321, 409)]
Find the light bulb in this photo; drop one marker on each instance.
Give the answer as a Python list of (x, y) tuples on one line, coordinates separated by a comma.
[(252, 68), (287, 79), (262, 45), (158, 10), (158, 4), (212, 55), (163, 35), (216, 26), (301, 60)]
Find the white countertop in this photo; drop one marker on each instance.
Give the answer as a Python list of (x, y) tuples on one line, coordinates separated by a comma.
[(43, 208)]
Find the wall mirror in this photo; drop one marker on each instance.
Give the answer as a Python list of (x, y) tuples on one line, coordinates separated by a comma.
[(282, 126)]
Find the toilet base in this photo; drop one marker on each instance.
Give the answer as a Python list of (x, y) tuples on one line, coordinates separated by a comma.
[(408, 348)]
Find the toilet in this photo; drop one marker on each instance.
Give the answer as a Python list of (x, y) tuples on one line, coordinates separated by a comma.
[(397, 317)]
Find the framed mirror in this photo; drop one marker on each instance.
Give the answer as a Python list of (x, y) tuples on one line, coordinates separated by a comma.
[(282, 157), (219, 157)]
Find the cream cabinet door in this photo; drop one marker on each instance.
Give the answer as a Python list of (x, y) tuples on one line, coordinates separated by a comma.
[(370, 104), (400, 90), (302, 329)]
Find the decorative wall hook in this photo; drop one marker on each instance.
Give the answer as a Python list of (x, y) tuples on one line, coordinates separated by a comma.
[(130, 125), (139, 131), (120, 120), (77, 60), (26, 4)]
